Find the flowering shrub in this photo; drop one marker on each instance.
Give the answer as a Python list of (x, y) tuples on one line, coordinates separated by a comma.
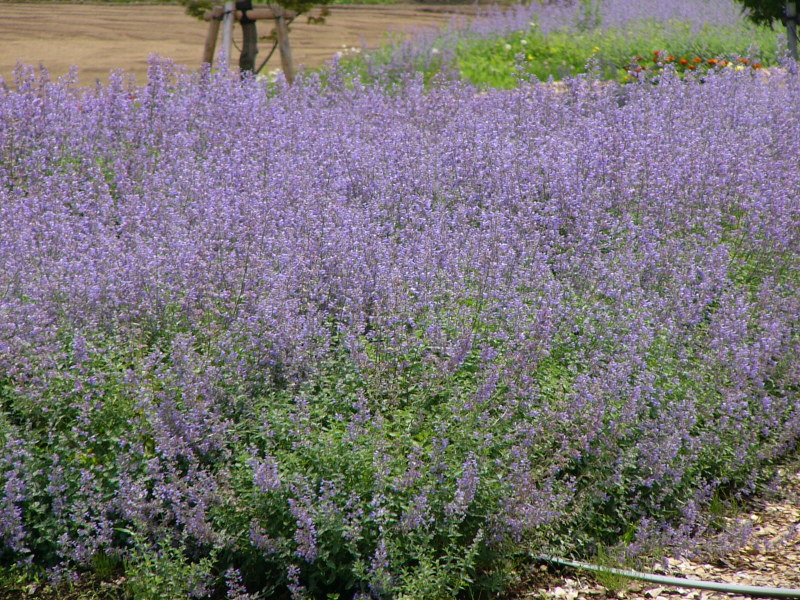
[(387, 344)]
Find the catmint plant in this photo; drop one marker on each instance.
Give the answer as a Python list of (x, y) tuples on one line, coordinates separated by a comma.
[(390, 342)]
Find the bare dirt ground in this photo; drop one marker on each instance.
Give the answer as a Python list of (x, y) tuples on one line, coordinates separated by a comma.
[(101, 37)]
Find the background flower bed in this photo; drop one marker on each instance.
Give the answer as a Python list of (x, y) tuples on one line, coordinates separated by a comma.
[(340, 340), (562, 39)]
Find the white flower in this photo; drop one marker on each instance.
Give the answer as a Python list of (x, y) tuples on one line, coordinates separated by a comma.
[(524, 42), (434, 51), (508, 46)]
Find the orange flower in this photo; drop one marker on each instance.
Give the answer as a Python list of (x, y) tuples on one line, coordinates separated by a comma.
[(724, 63), (692, 67), (683, 61), (670, 58), (639, 58), (757, 66), (744, 61), (713, 61), (697, 59)]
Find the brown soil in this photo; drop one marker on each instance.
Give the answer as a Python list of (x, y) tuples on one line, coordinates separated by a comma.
[(101, 37)]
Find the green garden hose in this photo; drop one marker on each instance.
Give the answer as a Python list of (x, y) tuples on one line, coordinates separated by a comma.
[(730, 588)]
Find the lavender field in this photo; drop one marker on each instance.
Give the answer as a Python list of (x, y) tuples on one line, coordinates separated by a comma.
[(334, 341)]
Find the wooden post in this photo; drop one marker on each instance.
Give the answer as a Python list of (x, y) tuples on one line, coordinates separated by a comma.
[(227, 32), (282, 31), (256, 14), (211, 41), (791, 28), (247, 17), (247, 58)]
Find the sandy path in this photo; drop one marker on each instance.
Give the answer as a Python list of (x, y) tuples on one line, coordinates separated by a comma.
[(99, 37)]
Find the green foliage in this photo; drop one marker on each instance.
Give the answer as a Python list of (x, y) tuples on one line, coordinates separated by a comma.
[(198, 8), (499, 62), (764, 12), (433, 577), (163, 572), (435, 560), (589, 15), (105, 565), (611, 580), (18, 583)]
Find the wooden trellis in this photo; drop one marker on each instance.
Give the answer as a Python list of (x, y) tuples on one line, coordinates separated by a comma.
[(243, 12)]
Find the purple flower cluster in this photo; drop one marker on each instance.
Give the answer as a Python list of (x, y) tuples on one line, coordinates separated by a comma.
[(337, 328), (560, 14)]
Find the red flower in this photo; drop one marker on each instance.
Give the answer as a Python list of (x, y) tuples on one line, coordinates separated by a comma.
[(713, 61), (744, 61), (683, 61), (692, 67)]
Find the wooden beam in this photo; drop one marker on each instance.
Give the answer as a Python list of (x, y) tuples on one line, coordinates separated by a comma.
[(282, 33), (256, 14), (227, 32), (211, 41)]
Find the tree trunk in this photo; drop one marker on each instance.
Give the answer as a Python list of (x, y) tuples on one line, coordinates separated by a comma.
[(247, 58)]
